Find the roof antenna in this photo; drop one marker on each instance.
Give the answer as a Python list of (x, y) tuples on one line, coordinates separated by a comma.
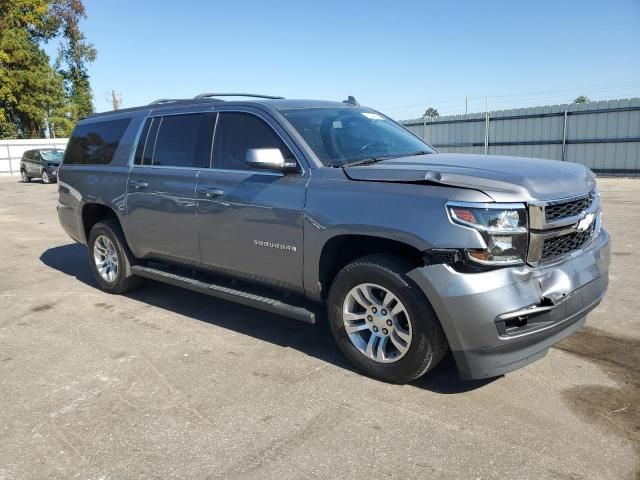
[(351, 100)]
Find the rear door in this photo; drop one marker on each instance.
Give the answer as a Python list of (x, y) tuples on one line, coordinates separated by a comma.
[(161, 218), (31, 159), (26, 160), (37, 163), (250, 221)]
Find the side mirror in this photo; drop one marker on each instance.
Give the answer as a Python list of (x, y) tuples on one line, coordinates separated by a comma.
[(269, 159)]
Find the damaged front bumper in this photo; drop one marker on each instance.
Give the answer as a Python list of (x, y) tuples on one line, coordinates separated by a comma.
[(500, 320)]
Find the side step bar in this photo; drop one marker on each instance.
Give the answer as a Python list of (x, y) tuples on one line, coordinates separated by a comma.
[(246, 298)]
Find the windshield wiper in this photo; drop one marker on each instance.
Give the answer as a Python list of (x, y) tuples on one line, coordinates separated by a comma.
[(368, 161), (365, 161)]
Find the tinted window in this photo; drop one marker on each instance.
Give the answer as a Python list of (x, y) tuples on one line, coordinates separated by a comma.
[(238, 132), (141, 142), (183, 141), (150, 143), (95, 143)]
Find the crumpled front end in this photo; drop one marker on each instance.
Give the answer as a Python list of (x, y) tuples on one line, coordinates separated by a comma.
[(499, 320)]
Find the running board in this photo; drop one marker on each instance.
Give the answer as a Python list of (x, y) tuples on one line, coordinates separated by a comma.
[(239, 296)]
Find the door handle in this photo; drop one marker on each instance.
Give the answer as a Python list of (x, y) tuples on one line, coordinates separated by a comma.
[(138, 185), (211, 192)]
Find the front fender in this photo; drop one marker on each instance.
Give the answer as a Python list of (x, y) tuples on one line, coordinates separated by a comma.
[(408, 213)]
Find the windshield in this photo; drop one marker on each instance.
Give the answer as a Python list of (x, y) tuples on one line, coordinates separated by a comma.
[(52, 155), (345, 135)]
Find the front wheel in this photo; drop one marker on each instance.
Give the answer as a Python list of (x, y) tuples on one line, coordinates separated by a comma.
[(382, 321), (45, 177)]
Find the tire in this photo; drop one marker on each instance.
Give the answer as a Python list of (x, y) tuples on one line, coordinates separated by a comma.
[(110, 239), (416, 321), (45, 177), (24, 177)]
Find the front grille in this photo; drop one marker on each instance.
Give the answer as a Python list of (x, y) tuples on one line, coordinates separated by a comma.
[(558, 246), (559, 210)]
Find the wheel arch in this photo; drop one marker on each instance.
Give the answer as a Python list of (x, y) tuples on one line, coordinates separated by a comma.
[(339, 250), (93, 213)]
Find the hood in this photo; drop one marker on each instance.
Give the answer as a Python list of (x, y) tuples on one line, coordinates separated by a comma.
[(504, 179)]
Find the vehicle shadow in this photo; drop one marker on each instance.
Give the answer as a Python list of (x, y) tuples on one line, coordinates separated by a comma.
[(314, 340)]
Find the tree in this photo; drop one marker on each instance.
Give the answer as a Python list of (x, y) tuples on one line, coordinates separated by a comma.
[(431, 112), (30, 86), (581, 99), (74, 54), (33, 95)]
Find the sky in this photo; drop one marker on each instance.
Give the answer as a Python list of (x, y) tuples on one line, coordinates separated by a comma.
[(399, 57)]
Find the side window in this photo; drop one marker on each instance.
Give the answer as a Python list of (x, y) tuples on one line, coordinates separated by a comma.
[(137, 160), (150, 144), (238, 132), (182, 140), (95, 143)]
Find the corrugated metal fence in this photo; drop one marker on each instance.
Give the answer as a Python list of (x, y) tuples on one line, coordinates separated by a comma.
[(605, 136), (11, 151)]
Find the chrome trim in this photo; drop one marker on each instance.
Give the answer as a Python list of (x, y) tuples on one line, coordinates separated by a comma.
[(527, 311), (536, 242), (495, 205), (537, 211)]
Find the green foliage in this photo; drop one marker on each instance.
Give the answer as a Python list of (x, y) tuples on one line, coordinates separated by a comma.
[(431, 112), (35, 96), (581, 99)]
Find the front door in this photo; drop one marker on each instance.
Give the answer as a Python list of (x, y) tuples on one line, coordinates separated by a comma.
[(161, 203), (250, 221)]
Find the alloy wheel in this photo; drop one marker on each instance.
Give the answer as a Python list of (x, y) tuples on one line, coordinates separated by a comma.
[(377, 323), (105, 257)]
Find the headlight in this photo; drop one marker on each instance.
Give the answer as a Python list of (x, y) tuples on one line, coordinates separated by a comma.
[(502, 226)]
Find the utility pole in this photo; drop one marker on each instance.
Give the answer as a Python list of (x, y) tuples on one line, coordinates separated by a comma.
[(116, 100), (466, 105)]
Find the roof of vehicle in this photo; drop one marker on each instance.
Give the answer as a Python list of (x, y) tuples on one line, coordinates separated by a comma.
[(273, 103), (43, 149)]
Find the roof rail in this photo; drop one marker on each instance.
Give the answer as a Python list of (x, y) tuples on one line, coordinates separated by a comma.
[(252, 95), (164, 100)]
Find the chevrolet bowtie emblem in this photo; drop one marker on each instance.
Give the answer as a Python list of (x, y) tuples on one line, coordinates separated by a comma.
[(585, 223)]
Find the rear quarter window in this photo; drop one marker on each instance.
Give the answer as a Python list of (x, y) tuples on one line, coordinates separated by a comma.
[(95, 143)]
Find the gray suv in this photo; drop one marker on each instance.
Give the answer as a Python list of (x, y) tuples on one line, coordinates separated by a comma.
[(313, 208), (42, 163)]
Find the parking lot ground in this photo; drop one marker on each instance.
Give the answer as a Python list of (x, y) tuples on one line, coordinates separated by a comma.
[(166, 383)]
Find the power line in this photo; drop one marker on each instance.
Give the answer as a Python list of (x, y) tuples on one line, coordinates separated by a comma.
[(569, 91), (508, 102)]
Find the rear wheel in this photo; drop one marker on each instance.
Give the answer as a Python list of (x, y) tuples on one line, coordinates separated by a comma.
[(23, 175), (382, 321), (110, 258)]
